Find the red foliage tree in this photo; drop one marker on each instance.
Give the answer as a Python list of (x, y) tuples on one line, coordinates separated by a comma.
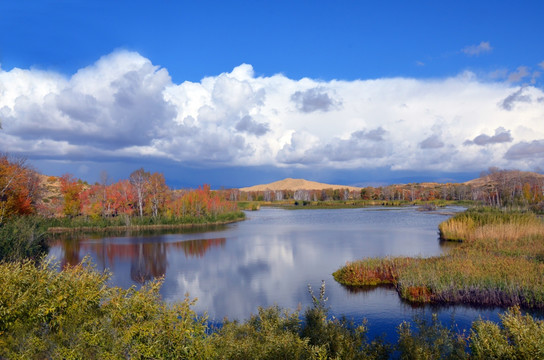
[(18, 187)]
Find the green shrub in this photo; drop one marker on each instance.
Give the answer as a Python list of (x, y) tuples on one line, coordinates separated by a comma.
[(271, 334), (22, 237), (519, 337), (431, 340), (69, 314)]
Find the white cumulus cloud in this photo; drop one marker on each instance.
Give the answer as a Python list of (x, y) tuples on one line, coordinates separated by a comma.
[(124, 107)]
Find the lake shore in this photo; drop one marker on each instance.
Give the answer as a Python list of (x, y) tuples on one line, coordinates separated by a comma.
[(350, 204), (171, 224)]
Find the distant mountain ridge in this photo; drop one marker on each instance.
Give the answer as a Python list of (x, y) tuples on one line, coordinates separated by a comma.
[(297, 184), (302, 184)]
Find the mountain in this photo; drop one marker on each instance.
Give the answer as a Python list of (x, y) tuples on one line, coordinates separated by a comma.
[(297, 184)]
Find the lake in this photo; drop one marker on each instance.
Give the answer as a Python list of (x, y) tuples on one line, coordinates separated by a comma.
[(271, 257)]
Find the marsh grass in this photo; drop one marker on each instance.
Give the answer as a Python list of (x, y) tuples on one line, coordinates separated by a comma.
[(83, 223), (372, 271), (484, 224), (500, 262)]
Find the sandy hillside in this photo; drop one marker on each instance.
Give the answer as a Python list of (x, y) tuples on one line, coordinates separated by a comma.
[(297, 184), (522, 176)]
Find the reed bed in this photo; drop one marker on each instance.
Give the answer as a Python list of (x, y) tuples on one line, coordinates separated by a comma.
[(372, 271), (500, 262), (490, 223)]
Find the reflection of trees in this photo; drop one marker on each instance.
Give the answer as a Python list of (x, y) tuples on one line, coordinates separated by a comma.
[(148, 260), (71, 253), (198, 248)]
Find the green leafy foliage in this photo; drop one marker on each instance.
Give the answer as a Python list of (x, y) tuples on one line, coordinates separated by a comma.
[(340, 337), (271, 334), (74, 314), (519, 337), (430, 340)]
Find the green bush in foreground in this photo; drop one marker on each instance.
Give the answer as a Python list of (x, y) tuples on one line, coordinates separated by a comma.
[(520, 337), (74, 314), (22, 237)]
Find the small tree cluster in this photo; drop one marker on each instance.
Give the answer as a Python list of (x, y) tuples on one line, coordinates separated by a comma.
[(143, 194)]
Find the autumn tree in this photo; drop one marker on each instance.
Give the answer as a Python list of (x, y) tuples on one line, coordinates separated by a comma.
[(71, 190), (157, 191), (139, 179), (19, 187), (123, 197), (92, 201)]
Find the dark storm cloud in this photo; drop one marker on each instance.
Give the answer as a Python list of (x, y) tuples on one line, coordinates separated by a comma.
[(501, 136), (316, 99), (523, 150)]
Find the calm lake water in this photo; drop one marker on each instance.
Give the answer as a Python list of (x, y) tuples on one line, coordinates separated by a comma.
[(271, 257)]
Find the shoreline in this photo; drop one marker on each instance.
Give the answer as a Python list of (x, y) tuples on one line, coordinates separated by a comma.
[(60, 230)]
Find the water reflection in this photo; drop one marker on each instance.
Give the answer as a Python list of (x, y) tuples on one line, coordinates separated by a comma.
[(147, 254), (271, 258)]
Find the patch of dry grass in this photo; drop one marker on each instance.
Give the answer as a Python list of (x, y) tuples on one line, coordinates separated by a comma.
[(500, 262)]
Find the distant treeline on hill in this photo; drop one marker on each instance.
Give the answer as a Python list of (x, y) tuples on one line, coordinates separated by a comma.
[(23, 191), (495, 188)]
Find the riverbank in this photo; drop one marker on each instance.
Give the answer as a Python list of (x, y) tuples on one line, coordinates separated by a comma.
[(28, 236), (139, 225), (499, 262), (349, 204)]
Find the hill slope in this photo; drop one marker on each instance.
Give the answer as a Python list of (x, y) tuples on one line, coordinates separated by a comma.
[(297, 184), (507, 176)]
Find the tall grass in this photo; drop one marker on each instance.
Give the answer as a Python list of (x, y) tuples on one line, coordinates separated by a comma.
[(23, 237), (489, 223), (372, 271), (499, 262)]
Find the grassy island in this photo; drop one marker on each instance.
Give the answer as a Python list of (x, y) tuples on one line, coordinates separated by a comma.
[(499, 261)]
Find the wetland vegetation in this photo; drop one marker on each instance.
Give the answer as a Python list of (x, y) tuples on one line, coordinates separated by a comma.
[(499, 262)]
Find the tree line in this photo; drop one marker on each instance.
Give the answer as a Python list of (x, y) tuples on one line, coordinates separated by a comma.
[(496, 187), (145, 194), (23, 191), (142, 194)]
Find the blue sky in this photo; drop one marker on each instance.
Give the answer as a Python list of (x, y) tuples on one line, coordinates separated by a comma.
[(234, 93)]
